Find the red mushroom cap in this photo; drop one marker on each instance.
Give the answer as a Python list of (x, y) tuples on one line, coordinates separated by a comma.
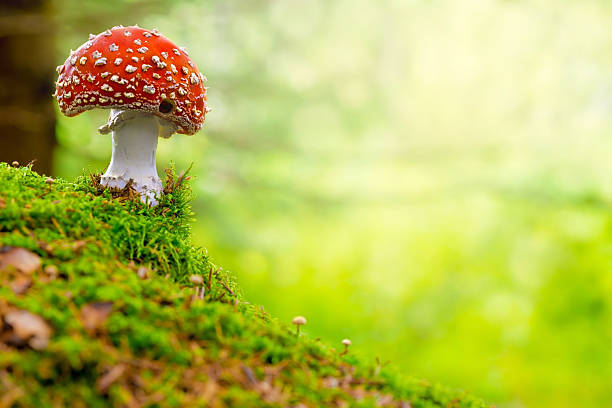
[(132, 68)]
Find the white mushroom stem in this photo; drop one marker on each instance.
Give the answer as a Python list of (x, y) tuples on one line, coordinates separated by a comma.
[(135, 136)]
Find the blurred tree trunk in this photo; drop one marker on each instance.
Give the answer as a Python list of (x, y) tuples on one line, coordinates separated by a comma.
[(27, 116)]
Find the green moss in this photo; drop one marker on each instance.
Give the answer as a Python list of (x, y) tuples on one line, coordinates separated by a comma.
[(157, 344)]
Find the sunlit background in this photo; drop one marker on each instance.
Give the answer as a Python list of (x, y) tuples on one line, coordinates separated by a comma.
[(431, 179)]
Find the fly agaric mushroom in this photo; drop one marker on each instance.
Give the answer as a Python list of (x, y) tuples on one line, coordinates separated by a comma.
[(152, 88)]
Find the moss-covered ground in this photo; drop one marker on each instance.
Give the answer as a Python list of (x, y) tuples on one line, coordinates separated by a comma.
[(105, 302)]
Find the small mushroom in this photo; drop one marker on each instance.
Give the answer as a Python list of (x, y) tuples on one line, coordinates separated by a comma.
[(346, 343), (142, 272), (142, 107), (199, 281), (298, 321), (196, 279)]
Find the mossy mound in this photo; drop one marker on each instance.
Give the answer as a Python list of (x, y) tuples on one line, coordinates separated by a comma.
[(105, 302)]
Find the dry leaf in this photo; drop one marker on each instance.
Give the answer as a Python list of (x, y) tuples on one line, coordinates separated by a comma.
[(110, 377), (248, 372), (52, 271), (20, 259), (93, 315), (21, 284), (384, 400), (29, 328), (78, 245)]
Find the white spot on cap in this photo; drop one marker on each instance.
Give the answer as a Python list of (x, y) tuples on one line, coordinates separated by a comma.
[(182, 91), (83, 60), (129, 50), (128, 94), (156, 75), (96, 54), (185, 70), (130, 68), (100, 61), (104, 74), (135, 59), (194, 79), (118, 61), (67, 95), (106, 87), (90, 78), (113, 47), (164, 54), (108, 33), (127, 33), (150, 89), (142, 50), (103, 99), (146, 34), (145, 67), (176, 51), (155, 32), (75, 80), (73, 60), (184, 50), (137, 42), (173, 69), (59, 69)]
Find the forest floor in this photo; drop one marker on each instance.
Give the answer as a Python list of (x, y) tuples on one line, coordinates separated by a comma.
[(106, 302)]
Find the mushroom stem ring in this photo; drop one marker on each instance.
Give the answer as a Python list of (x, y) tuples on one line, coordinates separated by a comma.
[(134, 148)]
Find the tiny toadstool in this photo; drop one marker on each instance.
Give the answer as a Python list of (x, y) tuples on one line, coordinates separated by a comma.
[(299, 321), (346, 343), (196, 279), (152, 88), (199, 289)]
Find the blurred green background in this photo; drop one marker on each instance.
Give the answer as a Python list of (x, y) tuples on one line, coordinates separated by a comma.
[(431, 179)]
